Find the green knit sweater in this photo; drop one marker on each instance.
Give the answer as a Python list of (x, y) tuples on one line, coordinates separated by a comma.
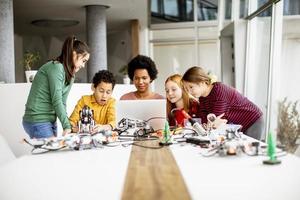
[(48, 95)]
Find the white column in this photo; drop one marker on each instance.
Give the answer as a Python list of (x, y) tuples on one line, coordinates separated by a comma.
[(275, 62), (7, 63), (96, 39)]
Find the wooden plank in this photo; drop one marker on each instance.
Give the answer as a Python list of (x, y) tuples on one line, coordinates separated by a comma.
[(153, 174), (135, 43)]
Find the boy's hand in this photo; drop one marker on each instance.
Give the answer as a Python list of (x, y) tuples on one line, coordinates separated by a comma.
[(99, 128), (75, 129)]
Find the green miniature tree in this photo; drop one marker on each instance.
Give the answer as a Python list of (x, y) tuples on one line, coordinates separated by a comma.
[(166, 140), (271, 151)]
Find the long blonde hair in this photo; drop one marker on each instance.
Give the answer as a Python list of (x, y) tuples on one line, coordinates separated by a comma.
[(176, 78)]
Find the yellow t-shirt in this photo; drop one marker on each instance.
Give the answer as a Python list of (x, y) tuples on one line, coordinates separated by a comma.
[(103, 114)]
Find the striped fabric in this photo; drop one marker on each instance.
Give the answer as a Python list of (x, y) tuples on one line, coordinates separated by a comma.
[(237, 108)]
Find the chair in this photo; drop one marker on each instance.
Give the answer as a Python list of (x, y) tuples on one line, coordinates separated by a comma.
[(6, 153)]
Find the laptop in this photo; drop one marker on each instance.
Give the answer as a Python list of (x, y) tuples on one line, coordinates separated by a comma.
[(152, 110)]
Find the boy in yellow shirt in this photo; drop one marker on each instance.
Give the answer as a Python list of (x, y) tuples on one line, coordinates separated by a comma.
[(100, 102)]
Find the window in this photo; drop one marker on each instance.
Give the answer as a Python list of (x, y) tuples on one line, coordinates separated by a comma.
[(243, 8), (228, 8), (207, 10), (168, 11), (291, 7)]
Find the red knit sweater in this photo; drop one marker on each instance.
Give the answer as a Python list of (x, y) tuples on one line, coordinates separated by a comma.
[(224, 99)]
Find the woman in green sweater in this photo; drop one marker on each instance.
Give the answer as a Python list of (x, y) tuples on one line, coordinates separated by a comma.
[(50, 89)]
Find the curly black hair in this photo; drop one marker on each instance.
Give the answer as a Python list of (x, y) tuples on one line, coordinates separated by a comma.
[(104, 76), (142, 62)]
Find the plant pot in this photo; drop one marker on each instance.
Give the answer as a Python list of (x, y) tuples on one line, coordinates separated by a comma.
[(30, 75), (126, 79)]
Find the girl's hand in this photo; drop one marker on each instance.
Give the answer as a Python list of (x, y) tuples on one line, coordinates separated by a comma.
[(66, 131), (214, 121), (219, 121)]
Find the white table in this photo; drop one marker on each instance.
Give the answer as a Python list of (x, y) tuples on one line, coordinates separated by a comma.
[(237, 177), (100, 174), (87, 174)]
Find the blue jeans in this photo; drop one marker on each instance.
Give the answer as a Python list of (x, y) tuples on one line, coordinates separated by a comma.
[(40, 129)]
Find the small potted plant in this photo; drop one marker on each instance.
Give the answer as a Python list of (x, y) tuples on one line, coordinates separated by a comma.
[(288, 130), (28, 61), (123, 70)]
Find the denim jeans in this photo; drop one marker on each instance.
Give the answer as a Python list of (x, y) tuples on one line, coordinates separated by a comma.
[(40, 129)]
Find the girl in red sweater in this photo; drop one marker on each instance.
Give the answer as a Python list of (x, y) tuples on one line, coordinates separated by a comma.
[(178, 101)]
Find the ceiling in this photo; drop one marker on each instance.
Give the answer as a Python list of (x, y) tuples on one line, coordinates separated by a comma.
[(118, 14)]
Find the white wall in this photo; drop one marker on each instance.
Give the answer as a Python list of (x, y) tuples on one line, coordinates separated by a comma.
[(13, 99), (207, 56), (176, 50), (227, 63), (48, 47), (257, 72), (240, 38), (118, 51), (289, 70), (19, 69), (171, 59)]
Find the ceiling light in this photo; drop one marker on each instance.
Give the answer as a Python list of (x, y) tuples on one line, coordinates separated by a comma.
[(55, 23)]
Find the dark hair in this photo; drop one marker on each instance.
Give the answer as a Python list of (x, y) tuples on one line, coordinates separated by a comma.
[(142, 62), (104, 76), (66, 57)]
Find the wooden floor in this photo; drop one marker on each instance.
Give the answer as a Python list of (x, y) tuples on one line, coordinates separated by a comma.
[(153, 174)]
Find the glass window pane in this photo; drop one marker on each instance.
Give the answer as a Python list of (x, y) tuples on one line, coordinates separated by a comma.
[(267, 12), (243, 8), (154, 6), (228, 7), (207, 10), (168, 11), (171, 8), (291, 7)]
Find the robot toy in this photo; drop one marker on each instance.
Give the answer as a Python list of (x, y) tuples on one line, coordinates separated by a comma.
[(83, 139), (134, 127), (86, 122)]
